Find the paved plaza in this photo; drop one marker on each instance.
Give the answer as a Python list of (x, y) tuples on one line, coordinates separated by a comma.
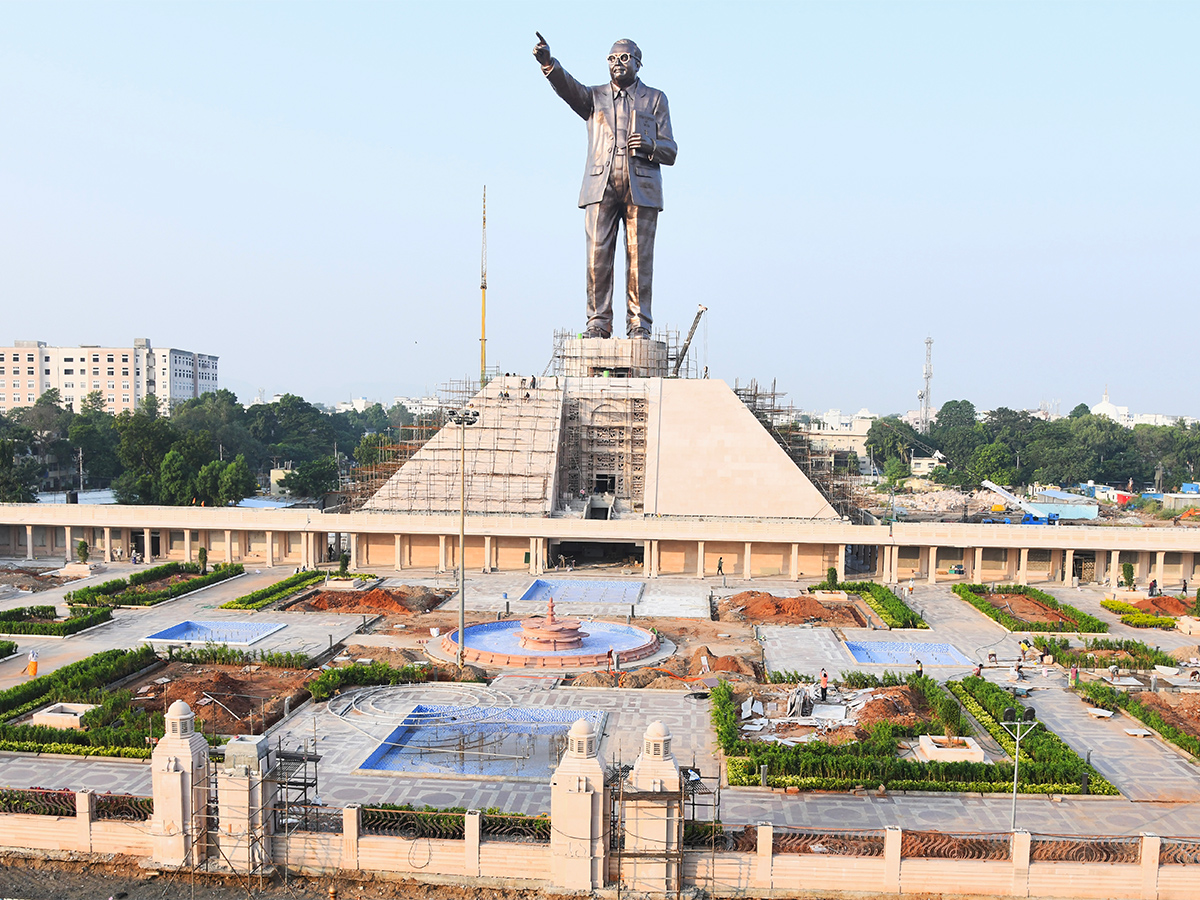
[(1160, 786)]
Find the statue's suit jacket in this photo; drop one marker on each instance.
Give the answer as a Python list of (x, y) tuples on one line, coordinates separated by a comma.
[(595, 105)]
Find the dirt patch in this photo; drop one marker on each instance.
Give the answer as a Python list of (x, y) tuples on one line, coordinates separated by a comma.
[(228, 699), (898, 705), (399, 657), (403, 601), (25, 578), (1180, 710), (761, 607), (1163, 605), (1024, 608)]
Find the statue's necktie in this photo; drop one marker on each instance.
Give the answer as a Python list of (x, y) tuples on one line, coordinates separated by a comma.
[(622, 125)]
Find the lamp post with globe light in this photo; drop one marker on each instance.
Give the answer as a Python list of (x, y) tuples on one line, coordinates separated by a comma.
[(462, 418)]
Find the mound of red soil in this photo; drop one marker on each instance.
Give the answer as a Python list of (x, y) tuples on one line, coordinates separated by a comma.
[(762, 607), (1164, 605), (402, 602), (718, 663), (899, 705)]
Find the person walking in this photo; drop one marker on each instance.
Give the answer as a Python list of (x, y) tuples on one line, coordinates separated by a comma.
[(920, 669), (720, 565), (824, 685)]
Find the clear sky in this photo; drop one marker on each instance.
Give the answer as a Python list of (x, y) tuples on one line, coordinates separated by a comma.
[(296, 188)]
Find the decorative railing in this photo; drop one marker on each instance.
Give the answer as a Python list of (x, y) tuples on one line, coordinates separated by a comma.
[(1179, 852), (716, 836), (124, 807), (1071, 848), (501, 827), (320, 819), (38, 802), (411, 823), (947, 845), (833, 843)]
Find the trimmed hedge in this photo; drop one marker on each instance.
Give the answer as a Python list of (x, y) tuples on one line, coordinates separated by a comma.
[(1081, 620), (1110, 698), (63, 684), (14, 621), (122, 592), (1141, 656), (7, 649), (1146, 620), (821, 766), (268, 595), (1048, 755), (894, 612)]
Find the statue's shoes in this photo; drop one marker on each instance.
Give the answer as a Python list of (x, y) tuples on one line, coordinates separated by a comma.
[(639, 334), (595, 333)]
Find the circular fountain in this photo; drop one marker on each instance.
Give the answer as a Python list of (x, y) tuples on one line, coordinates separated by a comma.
[(549, 642)]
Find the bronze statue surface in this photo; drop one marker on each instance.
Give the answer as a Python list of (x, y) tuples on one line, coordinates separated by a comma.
[(629, 141)]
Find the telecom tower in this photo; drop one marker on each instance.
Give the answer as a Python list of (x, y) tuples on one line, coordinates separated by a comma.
[(924, 396)]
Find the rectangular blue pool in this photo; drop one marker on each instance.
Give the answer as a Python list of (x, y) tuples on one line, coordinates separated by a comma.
[(905, 654), (580, 590), (517, 741), (232, 633)]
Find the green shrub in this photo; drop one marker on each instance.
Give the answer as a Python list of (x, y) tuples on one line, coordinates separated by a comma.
[(893, 611), (331, 681), (7, 649), (1119, 606), (831, 578), (222, 654), (120, 592), (1140, 655), (1081, 621), (74, 679), (268, 595), (1140, 619), (1127, 574), (15, 621)]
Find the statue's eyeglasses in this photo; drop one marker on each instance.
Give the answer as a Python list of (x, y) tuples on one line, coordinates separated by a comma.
[(619, 57)]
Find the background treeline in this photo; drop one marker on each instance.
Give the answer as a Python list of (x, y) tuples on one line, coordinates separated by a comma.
[(1010, 447), (211, 450)]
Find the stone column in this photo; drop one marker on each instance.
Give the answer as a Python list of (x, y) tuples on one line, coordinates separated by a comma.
[(472, 830), (885, 574), (1187, 564), (541, 556), (747, 570), (107, 544), (354, 559), (761, 876), (895, 563), (1160, 567), (270, 549), (1023, 567), (179, 773), (70, 549), (398, 549), (228, 546), (841, 562), (29, 542), (650, 825), (187, 545), (652, 562), (931, 554), (146, 542), (240, 813), (1114, 568), (85, 814), (1068, 565), (1021, 841), (892, 838), (699, 559), (533, 556), (351, 826), (794, 566), (579, 854), (1151, 845), (442, 554)]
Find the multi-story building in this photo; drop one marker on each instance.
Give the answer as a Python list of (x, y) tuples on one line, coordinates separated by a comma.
[(122, 375)]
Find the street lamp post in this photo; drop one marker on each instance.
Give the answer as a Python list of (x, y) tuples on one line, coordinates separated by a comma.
[(462, 418), (1017, 728)]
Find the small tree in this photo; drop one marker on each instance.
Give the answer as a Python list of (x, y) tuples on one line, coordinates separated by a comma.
[(1127, 574), (831, 577), (344, 563), (202, 556), (81, 549)]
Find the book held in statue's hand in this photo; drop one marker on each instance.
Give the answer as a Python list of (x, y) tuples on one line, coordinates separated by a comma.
[(643, 123)]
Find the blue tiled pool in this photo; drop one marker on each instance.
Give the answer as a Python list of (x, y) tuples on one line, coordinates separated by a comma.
[(517, 741), (235, 633), (505, 637), (904, 653), (584, 591)]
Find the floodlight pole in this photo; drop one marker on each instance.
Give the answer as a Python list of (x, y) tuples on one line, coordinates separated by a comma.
[(1017, 728), (463, 418)]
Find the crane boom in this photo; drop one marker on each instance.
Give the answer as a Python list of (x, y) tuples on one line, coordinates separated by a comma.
[(1014, 499), (688, 341)]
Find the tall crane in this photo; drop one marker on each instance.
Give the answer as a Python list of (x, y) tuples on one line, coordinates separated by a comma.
[(483, 298), (688, 341)]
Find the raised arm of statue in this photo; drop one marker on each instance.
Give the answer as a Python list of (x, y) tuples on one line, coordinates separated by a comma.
[(578, 97)]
